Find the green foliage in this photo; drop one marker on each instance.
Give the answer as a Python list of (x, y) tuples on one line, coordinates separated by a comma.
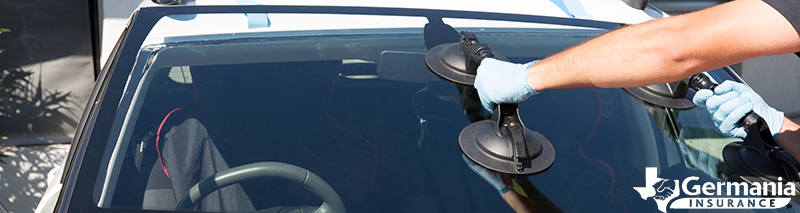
[(3, 30), (2, 98)]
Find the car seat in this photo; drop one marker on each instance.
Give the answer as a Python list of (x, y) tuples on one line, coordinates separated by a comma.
[(188, 156)]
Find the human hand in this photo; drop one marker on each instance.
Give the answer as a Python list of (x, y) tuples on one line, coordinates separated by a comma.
[(730, 101), (500, 182), (502, 82), (726, 110)]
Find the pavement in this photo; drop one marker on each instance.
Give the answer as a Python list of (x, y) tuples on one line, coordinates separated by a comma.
[(23, 176)]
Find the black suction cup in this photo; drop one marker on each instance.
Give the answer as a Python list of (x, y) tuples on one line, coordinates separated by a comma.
[(458, 62), (752, 164), (672, 95), (757, 160), (501, 144), (504, 145)]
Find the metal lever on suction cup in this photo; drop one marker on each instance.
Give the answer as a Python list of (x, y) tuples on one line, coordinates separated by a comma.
[(503, 144), (510, 126), (701, 81), (469, 37)]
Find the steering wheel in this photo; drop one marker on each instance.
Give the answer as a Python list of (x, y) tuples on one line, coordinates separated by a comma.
[(331, 202)]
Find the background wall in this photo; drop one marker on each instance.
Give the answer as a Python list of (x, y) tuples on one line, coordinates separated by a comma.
[(777, 80), (46, 68), (46, 75)]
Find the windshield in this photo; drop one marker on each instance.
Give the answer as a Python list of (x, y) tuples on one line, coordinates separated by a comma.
[(355, 105)]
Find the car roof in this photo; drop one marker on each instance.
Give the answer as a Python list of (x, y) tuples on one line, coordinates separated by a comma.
[(600, 10), (204, 24)]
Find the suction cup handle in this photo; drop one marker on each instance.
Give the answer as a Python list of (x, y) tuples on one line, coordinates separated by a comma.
[(469, 37), (473, 48), (483, 51), (510, 126), (700, 81)]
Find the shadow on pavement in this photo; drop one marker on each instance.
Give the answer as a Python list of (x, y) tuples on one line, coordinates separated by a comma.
[(23, 177)]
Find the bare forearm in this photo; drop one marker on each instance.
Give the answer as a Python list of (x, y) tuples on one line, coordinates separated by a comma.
[(518, 202), (789, 138), (626, 57), (669, 49)]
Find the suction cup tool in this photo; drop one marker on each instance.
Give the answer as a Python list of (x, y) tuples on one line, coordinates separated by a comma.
[(672, 95), (757, 160), (752, 164), (501, 144), (458, 62), (504, 145)]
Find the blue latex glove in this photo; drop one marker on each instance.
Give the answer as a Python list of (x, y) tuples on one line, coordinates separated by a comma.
[(731, 101), (493, 178), (502, 82)]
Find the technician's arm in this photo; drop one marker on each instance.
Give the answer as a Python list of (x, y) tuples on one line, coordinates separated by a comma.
[(789, 138), (669, 49), (502, 183), (518, 202)]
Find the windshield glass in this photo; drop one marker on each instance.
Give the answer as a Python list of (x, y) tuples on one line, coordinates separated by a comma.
[(355, 105)]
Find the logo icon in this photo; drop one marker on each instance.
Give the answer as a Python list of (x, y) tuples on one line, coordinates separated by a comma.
[(661, 190)]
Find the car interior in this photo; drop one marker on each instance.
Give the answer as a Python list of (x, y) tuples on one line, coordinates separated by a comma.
[(319, 115)]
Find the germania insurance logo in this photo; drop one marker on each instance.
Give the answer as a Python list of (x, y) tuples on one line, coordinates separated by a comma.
[(713, 195)]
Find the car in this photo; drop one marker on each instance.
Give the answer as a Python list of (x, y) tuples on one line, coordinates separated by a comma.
[(330, 107)]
